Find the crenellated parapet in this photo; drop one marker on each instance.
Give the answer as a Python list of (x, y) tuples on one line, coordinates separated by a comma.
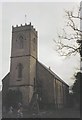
[(24, 27)]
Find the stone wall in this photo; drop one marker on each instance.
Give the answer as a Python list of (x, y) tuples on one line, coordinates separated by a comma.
[(47, 84), (53, 90)]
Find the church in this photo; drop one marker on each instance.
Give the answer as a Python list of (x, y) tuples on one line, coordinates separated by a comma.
[(29, 80)]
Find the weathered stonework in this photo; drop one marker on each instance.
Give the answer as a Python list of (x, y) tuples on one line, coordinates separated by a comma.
[(29, 76), (27, 56)]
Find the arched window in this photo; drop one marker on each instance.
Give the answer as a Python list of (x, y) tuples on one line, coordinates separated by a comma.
[(21, 42), (20, 68)]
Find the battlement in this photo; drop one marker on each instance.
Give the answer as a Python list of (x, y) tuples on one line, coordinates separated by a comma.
[(24, 27)]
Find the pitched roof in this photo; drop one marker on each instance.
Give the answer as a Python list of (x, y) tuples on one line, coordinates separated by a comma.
[(7, 75), (51, 72)]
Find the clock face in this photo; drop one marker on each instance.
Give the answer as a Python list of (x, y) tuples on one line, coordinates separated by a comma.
[(20, 41)]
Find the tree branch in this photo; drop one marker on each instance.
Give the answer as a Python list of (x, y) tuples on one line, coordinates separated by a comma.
[(68, 49)]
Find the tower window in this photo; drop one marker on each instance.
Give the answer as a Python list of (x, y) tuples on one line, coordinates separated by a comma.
[(34, 40), (20, 42), (20, 68)]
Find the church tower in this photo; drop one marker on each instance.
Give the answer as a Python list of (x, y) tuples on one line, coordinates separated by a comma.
[(23, 61)]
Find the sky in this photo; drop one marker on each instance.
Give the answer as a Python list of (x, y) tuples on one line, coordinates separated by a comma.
[(48, 18)]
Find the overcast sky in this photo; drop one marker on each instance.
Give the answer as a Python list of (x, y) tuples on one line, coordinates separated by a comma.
[(48, 19)]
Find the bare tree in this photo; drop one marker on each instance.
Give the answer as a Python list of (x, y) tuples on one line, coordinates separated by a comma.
[(69, 42)]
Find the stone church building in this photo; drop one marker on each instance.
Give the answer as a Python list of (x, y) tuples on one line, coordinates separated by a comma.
[(29, 80)]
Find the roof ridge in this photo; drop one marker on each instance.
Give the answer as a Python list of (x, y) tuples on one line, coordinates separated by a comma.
[(53, 73)]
